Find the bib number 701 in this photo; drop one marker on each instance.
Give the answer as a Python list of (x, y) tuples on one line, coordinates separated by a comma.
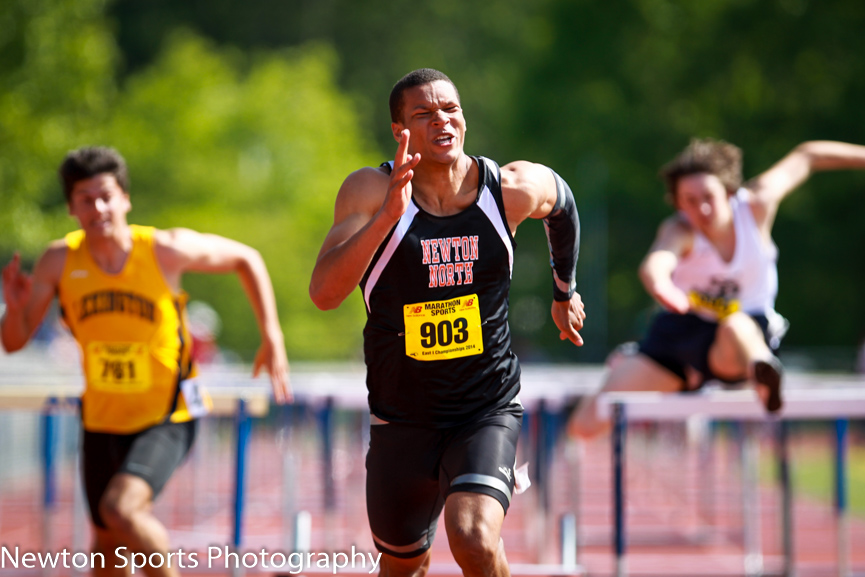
[(118, 370), (118, 367)]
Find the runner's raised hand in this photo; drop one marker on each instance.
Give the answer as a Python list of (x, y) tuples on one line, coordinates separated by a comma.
[(17, 284), (399, 189)]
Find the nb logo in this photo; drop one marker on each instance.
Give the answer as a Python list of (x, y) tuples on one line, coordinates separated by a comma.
[(469, 303), (506, 471), (418, 310)]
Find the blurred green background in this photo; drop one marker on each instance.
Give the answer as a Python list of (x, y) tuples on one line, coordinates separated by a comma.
[(243, 118)]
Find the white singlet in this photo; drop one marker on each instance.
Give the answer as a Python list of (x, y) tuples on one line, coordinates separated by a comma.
[(748, 283)]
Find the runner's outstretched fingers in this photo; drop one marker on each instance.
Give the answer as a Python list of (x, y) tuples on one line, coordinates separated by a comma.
[(271, 357), (399, 190)]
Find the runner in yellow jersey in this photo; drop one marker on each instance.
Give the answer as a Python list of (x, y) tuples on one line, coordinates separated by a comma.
[(119, 291)]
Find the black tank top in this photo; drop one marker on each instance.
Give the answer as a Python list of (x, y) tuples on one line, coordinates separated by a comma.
[(436, 295)]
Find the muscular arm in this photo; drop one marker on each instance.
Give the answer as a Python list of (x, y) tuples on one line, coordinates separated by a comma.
[(534, 191), (771, 187), (674, 240), (182, 250), (359, 228), (28, 297), (368, 205)]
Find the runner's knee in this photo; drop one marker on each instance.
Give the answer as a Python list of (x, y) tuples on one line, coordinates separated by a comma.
[(738, 327), (115, 516), (475, 546), (474, 532), (126, 496)]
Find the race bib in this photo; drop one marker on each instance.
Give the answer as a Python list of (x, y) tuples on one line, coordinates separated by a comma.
[(448, 329), (196, 399), (118, 367), (719, 306)]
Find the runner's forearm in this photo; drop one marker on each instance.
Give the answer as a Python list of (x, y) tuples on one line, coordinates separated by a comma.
[(563, 237), (259, 290), (656, 271), (340, 269), (14, 330), (830, 155)]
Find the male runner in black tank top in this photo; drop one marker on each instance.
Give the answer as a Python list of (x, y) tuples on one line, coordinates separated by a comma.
[(429, 240)]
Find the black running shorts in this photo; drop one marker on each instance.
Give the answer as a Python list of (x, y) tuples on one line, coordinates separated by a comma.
[(676, 341), (412, 470), (152, 454)]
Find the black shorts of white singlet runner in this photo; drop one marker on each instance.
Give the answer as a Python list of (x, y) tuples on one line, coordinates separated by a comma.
[(677, 341), (412, 470), (152, 454)]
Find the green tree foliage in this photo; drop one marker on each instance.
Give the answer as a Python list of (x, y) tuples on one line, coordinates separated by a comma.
[(56, 82), (605, 92), (252, 146), (632, 80), (484, 48)]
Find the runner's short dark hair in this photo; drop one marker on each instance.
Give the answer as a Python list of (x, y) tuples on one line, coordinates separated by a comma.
[(707, 155), (90, 161), (417, 77)]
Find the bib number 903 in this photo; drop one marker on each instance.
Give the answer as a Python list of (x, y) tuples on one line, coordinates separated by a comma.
[(444, 333), (448, 329)]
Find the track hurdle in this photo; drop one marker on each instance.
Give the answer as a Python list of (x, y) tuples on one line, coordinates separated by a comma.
[(548, 390), (838, 404)]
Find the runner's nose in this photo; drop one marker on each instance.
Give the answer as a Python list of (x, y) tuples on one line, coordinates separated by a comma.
[(439, 117)]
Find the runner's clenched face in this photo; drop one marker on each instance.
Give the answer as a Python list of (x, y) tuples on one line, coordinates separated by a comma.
[(433, 115)]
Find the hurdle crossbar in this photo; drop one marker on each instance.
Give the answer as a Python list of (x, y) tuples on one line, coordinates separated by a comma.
[(838, 404), (741, 405)]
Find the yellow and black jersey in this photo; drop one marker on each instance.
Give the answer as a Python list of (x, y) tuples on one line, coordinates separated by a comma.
[(134, 341)]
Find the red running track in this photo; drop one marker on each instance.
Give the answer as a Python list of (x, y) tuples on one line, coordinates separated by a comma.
[(684, 506)]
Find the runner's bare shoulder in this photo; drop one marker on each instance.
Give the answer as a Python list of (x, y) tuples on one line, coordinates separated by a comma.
[(50, 265), (363, 191)]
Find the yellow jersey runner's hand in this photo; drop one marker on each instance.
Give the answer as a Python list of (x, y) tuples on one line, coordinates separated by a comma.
[(271, 357), (17, 285), (569, 317)]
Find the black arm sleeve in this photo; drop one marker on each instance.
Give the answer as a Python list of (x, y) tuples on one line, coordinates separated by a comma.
[(562, 226)]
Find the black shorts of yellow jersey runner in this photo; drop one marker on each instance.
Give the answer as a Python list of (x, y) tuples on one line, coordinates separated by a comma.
[(152, 454)]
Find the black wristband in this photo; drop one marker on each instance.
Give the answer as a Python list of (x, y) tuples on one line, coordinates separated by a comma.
[(560, 295)]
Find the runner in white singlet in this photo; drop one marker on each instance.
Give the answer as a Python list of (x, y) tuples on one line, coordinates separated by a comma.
[(712, 268)]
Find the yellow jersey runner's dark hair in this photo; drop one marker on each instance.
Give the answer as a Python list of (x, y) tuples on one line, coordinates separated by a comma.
[(90, 161)]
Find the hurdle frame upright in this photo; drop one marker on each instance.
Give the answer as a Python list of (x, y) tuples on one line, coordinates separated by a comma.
[(838, 405)]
